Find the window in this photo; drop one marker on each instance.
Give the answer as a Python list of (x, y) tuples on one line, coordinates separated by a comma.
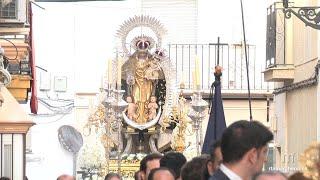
[(270, 164), (8, 9)]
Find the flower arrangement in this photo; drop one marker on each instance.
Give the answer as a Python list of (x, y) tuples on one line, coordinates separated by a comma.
[(92, 154)]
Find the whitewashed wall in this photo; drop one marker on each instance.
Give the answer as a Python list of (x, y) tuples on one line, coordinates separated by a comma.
[(297, 111), (73, 40)]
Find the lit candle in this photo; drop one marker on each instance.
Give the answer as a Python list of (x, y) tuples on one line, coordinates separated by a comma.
[(91, 105), (194, 80), (197, 76), (107, 69), (119, 73), (102, 82), (110, 71), (182, 78), (182, 81)]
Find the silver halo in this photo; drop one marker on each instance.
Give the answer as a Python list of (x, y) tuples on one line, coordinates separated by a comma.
[(140, 21)]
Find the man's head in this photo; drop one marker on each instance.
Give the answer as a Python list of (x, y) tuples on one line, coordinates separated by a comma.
[(173, 161), (65, 177), (246, 143), (151, 161), (195, 169), (112, 176), (271, 175), (161, 173), (215, 157)]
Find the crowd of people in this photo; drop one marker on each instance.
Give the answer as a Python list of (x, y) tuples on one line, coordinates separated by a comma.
[(239, 155)]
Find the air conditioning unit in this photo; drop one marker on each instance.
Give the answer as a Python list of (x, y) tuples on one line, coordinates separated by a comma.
[(13, 12)]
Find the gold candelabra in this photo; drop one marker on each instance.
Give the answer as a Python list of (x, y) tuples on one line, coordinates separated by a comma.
[(179, 117)]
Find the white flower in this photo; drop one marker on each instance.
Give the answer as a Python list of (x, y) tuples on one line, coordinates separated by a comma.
[(92, 153), (140, 156), (190, 152), (131, 157)]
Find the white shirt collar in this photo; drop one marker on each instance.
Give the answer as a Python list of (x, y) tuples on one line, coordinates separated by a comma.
[(231, 175)]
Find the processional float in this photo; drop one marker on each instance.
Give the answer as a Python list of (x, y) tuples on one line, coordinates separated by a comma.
[(140, 102)]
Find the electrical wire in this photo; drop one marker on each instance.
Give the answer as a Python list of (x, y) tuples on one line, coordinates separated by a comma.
[(41, 68), (15, 59), (59, 100), (57, 109), (53, 121), (56, 106)]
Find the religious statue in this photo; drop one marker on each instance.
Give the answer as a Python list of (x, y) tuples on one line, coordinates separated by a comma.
[(153, 106), (152, 72), (131, 111), (147, 76), (146, 71)]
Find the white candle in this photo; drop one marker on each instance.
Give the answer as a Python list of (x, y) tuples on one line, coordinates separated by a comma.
[(110, 71), (194, 80), (119, 73), (102, 82), (197, 76), (182, 78)]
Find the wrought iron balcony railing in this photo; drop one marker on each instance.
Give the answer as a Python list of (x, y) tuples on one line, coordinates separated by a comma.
[(231, 59), (275, 36)]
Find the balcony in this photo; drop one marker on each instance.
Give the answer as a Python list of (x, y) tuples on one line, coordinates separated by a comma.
[(232, 60), (279, 73), (278, 69), (18, 67)]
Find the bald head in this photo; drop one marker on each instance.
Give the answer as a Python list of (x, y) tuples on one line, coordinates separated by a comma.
[(161, 174), (270, 176), (65, 177)]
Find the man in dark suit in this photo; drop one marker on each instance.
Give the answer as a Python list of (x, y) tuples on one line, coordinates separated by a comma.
[(244, 147), (219, 175)]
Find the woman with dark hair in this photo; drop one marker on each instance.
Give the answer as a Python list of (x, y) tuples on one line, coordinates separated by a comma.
[(112, 176)]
